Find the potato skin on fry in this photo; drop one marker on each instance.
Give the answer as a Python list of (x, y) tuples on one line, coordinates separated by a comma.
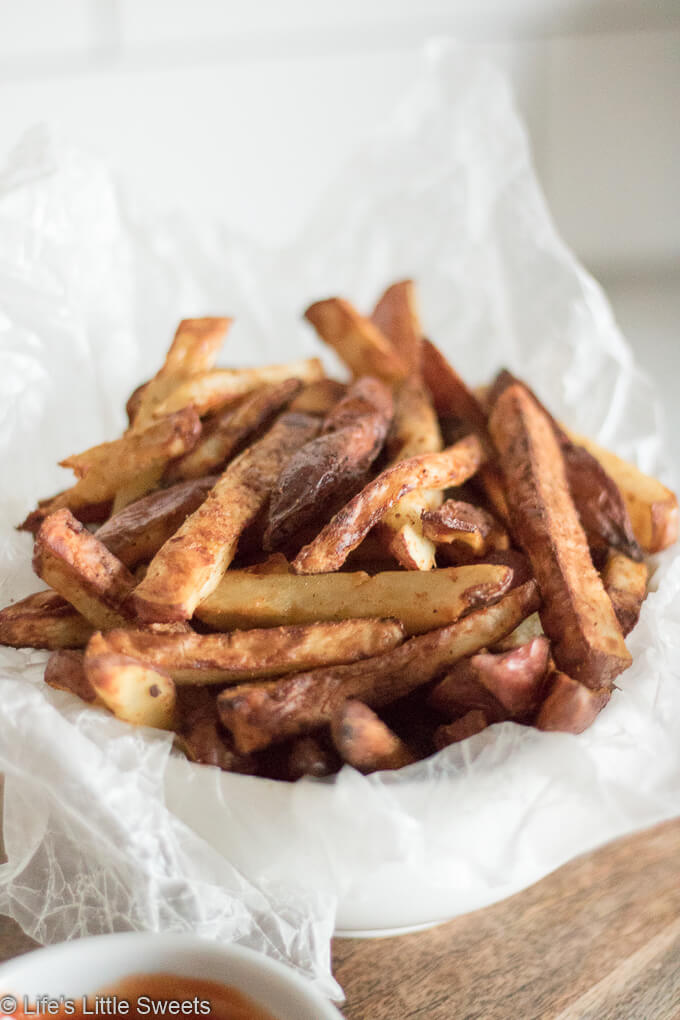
[(356, 340), (467, 726), (576, 613), (625, 581), (570, 707), (457, 523), (396, 316), (43, 620), (365, 742), (65, 671)]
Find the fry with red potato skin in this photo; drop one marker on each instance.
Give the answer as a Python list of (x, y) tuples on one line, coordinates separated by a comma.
[(462, 691), (261, 714), (210, 391), (138, 531), (356, 340), (226, 434), (189, 565), (88, 513), (331, 547), (247, 598), (65, 671), (319, 398), (570, 707), (576, 612), (191, 658), (43, 620), (625, 581), (457, 523), (326, 471), (363, 740), (396, 316), (452, 733), (134, 692), (81, 569)]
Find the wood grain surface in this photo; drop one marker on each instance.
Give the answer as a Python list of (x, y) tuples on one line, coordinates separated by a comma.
[(597, 940)]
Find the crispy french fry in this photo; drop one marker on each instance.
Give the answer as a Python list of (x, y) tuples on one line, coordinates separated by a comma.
[(43, 620), (231, 658), (576, 613), (457, 523), (210, 391), (73, 562), (452, 733), (365, 742), (247, 599), (87, 513), (396, 316), (134, 692), (570, 707), (65, 671), (189, 565), (345, 531), (451, 396), (227, 433), (260, 714), (319, 397), (625, 581), (357, 341)]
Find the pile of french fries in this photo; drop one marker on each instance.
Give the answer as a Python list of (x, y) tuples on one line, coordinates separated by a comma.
[(292, 572)]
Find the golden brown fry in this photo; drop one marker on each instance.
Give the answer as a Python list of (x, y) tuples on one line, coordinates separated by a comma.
[(576, 613), (191, 658), (363, 740), (189, 565), (227, 433), (625, 581), (452, 733), (396, 316), (134, 692), (319, 398), (345, 531), (73, 562), (422, 602), (457, 523), (570, 707), (65, 671), (452, 398), (43, 620), (260, 714), (357, 341)]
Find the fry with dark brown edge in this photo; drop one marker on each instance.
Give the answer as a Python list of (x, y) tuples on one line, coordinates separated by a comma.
[(200, 736), (65, 671), (356, 340), (396, 316), (134, 692), (189, 565), (363, 740), (260, 714), (226, 434), (73, 562), (460, 524), (191, 658), (245, 598), (451, 396), (43, 620), (345, 531), (570, 707), (452, 733), (576, 612), (625, 581)]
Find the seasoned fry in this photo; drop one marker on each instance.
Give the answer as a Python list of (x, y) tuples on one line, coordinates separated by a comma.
[(459, 524), (226, 434), (231, 658), (246, 599), (357, 341), (260, 714), (452, 733), (365, 742), (189, 565), (345, 531), (77, 565), (43, 620), (576, 613), (319, 397), (625, 581), (65, 671), (328, 470), (210, 391), (396, 316), (137, 532), (133, 692), (570, 706)]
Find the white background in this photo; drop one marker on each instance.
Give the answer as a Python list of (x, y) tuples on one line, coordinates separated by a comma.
[(248, 109)]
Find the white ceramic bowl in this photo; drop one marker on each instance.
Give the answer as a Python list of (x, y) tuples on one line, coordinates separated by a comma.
[(84, 966)]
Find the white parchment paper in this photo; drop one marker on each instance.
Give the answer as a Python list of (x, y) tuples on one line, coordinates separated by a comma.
[(104, 829)]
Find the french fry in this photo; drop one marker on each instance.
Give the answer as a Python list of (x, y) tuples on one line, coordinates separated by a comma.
[(357, 341), (210, 391), (451, 396), (191, 658), (260, 714), (452, 733), (526, 631), (246, 599), (73, 562), (308, 757), (325, 472), (65, 671), (365, 742), (570, 707), (200, 736), (459, 524), (396, 316), (226, 434), (345, 531), (87, 513), (189, 565), (134, 692), (625, 581), (319, 398), (137, 532), (43, 620), (576, 613)]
